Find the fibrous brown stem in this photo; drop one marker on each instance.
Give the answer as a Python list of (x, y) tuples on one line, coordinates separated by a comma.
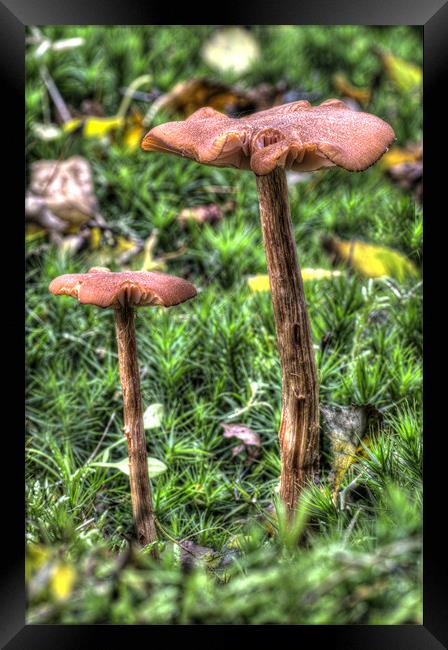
[(299, 429), (133, 427)]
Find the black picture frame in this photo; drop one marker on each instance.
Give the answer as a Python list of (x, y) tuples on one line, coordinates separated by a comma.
[(433, 16)]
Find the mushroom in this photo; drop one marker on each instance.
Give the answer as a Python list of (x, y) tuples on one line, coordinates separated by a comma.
[(123, 291), (300, 137)]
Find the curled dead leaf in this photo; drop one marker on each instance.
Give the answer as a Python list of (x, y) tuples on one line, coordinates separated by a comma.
[(250, 440), (188, 96), (65, 188)]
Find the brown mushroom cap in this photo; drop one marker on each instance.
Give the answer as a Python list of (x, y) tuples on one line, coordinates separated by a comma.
[(295, 136), (104, 288)]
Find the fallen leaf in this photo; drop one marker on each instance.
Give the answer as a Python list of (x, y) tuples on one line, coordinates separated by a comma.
[(369, 259), (155, 466), (345, 426), (187, 96), (250, 440), (231, 49), (94, 127), (405, 75), (153, 416), (35, 558), (116, 249), (210, 213), (65, 188), (134, 131), (151, 263), (95, 238), (405, 167), (409, 176), (398, 155), (344, 87), (243, 433), (192, 555), (261, 282), (62, 581)]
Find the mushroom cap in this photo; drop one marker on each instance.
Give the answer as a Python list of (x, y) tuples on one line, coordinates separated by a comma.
[(295, 136), (104, 288)]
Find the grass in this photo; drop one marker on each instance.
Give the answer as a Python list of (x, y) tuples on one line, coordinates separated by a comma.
[(214, 360)]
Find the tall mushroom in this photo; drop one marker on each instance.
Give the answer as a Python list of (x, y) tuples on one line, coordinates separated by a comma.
[(294, 136), (123, 291)]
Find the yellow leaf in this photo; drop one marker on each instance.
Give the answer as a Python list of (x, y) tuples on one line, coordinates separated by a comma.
[(133, 136), (94, 127), (150, 263), (344, 452), (36, 557), (72, 125), (123, 244), (344, 87), (134, 131), (98, 127), (405, 75), (95, 237), (62, 581), (374, 261), (261, 282), (397, 156), (346, 427)]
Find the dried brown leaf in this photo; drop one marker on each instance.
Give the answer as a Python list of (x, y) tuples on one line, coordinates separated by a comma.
[(210, 213), (65, 188), (243, 433), (250, 440), (192, 554)]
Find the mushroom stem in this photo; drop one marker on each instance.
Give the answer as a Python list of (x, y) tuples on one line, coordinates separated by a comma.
[(299, 429), (144, 519)]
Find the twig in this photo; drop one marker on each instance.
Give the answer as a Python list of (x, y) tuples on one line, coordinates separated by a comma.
[(343, 493), (55, 95), (85, 523)]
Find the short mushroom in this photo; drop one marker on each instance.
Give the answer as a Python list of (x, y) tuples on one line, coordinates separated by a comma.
[(300, 137), (122, 292)]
